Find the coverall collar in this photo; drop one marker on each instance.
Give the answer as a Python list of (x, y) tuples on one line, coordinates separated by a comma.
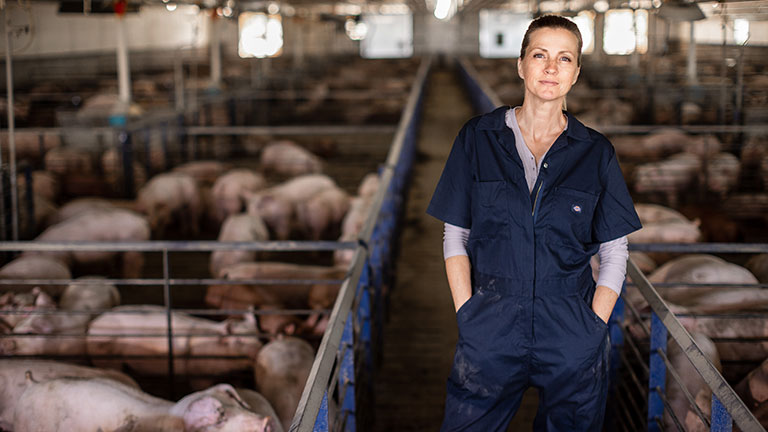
[(494, 121)]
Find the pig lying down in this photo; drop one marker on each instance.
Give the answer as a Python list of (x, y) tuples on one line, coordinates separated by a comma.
[(114, 334), (58, 404), (13, 381)]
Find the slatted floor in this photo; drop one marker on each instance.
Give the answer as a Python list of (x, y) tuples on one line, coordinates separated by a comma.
[(420, 334)]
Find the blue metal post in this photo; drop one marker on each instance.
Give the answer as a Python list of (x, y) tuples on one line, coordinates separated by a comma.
[(321, 422), (658, 373), (721, 421), (127, 151), (347, 376)]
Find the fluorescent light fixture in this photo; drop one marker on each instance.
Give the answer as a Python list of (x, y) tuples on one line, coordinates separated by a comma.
[(601, 6), (171, 7)]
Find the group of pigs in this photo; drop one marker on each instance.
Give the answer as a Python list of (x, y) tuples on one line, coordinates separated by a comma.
[(680, 162), (85, 318), (678, 280)]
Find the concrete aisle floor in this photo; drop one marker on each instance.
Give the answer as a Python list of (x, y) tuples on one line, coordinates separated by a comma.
[(420, 334)]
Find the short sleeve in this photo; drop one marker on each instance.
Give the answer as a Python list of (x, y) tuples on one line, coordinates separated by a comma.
[(451, 201), (615, 215)]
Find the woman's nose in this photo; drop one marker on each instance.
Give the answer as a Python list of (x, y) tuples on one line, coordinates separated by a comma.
[(550, 67)]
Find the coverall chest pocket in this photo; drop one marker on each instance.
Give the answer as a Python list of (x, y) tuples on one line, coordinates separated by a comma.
[(490, 213), (571, 215)]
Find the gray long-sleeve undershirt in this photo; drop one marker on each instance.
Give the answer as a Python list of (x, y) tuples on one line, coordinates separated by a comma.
[(613, 254)]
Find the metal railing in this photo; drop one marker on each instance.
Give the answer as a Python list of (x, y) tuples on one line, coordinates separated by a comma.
[(726, 408), (166, 282), (341, 376)]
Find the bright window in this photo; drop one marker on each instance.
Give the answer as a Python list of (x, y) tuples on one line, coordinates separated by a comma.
[(740, 31), (501, 33), (585, 20), (387, 36), (621, 36), (261, 35)]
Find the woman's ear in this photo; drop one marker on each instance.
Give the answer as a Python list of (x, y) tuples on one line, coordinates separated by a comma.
[(520, 68)]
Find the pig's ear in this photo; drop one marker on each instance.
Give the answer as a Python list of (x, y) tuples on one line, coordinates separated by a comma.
[(230, 392), (202, 413)]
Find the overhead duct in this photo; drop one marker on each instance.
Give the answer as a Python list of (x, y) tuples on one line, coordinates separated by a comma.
[(680, 11)]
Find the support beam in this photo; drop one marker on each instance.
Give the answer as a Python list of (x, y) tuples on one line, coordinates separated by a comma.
[(691, 65), (215, 50), (11, 141), (123, 68)]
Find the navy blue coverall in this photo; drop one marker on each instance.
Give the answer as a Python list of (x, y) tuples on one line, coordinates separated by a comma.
[(529, 321)]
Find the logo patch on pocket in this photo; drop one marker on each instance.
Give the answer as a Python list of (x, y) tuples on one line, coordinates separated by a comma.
[(576, 208)]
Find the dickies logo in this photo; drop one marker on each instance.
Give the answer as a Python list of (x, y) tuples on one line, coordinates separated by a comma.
[(576, 208)]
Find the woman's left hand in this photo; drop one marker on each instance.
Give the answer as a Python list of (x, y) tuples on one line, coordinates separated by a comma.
[(603, 302)]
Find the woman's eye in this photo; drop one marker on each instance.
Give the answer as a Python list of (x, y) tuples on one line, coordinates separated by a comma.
[(538, 55), (565, 59)]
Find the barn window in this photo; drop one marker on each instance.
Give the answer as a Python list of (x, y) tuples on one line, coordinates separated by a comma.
[(621, 35)]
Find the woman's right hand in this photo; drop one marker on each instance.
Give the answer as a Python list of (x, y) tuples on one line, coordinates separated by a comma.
[(457, 268)]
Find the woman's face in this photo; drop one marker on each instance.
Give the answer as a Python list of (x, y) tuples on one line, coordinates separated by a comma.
[(549, 67)]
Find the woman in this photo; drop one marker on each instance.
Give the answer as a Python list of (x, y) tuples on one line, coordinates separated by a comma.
[(528, 195)]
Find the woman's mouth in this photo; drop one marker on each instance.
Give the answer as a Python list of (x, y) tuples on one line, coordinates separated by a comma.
[(549, 82)]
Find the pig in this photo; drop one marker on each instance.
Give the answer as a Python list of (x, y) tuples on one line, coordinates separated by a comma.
[(88, 293), (753, 390), (698, 268), (112, 167), (281, 372), (63, 161), (729, 300), (171, 198), (221, 408), (238, 228), (654, 213), (722, 173), (288, 295), (30, 146), (260, 405), (690, 379), (672, 176), (21, 303), (321, 216), (277, 323), (730, 328), (369, 185), (289, 159), (704, 146), (205, 172), (667, 232), (44, 184), (758, 265), (354, 220), (79, 206), (35, 267), (231, 191), (277, 205), (193, 337), (13, 381), (95, 226), (113, 406), (753, 151)]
